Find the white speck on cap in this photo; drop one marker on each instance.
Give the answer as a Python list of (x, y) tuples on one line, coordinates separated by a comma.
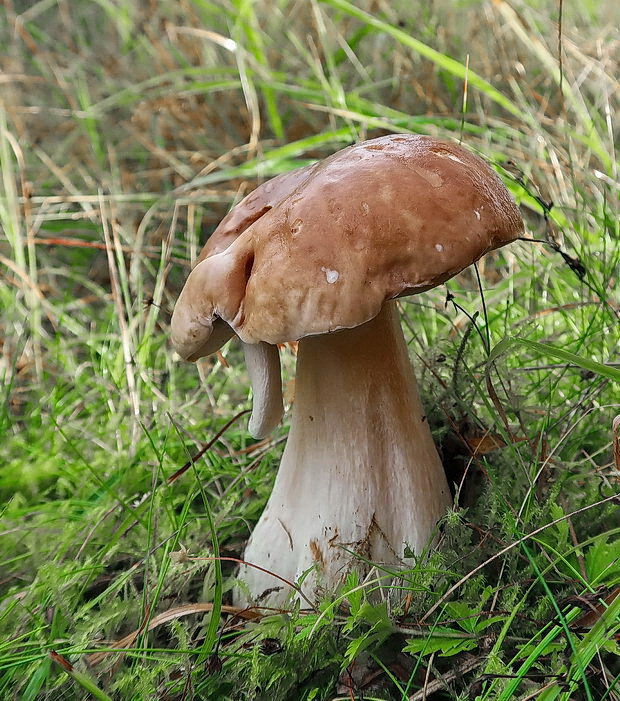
[(477, 213), (439, 247), (330, 275)]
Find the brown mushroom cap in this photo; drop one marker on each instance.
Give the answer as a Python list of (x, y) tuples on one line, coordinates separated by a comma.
[(196, 334), (251, 208), (388, 217)]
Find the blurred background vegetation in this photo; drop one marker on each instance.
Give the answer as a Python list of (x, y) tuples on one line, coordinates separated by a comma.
[(127, 130)]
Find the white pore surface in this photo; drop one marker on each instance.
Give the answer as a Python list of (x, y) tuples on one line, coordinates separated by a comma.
[(360, 471)]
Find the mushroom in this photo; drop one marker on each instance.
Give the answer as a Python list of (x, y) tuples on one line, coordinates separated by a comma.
[(194, 340), (322, 262)]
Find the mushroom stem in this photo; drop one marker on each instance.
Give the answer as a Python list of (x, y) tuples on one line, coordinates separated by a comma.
[(263, 363), (360, 472)]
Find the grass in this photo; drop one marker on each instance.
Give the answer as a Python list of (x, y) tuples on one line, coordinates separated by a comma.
[(125, 135)]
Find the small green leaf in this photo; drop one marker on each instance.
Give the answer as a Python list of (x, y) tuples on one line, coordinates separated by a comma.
[(611, 646), (528, 648), (353, 593), (486, 623), (562, 527), (307, 624), (466, 616), (603, 561), (380, 628), (446, 647), (445, 641)]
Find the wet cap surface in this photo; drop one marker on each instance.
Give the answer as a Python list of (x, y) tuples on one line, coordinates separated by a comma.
[(251, 208), (384, 218)]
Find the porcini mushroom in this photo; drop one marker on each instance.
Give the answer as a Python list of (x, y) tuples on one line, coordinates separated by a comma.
[(322, 264), (195, 335)]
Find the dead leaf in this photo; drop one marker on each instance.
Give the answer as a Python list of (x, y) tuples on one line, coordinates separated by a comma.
[(596, 611), (483, 443), (487, 443), (165, 617), (317, 554)]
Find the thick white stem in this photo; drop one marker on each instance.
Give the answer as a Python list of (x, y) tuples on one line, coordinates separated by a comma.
[(360, 471), (263, 363)]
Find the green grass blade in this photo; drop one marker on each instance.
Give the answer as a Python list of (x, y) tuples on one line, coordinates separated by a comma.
[(248, 18), (80, 678), (275, 161), (605, 628), (31, 692), (451, 65), (563, 622), (547, 349)]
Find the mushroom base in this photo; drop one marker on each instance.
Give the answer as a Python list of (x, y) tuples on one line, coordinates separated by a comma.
[(360, 477)]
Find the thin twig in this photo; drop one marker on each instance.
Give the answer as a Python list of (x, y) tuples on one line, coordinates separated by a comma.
[(442, 681), (207, 446), (239, 561)]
